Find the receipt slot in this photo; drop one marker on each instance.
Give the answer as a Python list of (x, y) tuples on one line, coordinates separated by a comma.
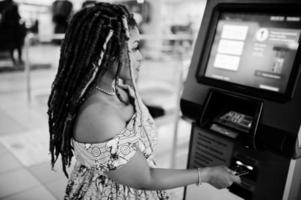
[(243, 94)]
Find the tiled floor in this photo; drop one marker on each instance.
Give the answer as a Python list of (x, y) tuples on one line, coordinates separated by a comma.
[(25, 171)]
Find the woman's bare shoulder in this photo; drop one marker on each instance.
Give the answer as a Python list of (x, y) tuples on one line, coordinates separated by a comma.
[(97, 121)]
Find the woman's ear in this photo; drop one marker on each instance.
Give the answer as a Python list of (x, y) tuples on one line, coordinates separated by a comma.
[(124, 57), (125, 62), (114, 68)]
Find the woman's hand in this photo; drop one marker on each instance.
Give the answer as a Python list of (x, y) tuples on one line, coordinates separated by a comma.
[(220, 176)]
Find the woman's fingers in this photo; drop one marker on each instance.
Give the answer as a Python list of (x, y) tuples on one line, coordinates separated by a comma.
[(236, 179), (231, 171), (222, 177)]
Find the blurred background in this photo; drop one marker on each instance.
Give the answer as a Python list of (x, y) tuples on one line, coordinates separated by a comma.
[(31, 32)]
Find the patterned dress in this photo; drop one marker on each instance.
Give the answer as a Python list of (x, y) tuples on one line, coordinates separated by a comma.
[(88, 180)]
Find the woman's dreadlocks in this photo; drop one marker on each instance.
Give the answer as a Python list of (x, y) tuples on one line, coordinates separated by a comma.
[(94, 40)]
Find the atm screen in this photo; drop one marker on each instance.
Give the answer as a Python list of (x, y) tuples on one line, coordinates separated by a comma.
[(256, 50)]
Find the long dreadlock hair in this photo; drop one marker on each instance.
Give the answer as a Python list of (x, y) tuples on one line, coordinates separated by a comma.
[(96, 38)]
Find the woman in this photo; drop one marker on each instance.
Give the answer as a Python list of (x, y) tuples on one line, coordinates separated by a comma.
[(96, 114)]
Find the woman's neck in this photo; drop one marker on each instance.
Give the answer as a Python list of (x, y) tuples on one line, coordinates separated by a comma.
[(106, 82)]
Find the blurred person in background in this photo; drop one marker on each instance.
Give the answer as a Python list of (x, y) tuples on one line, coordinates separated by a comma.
[(97, 116), (61, 14), (61, 10), (12, 30)]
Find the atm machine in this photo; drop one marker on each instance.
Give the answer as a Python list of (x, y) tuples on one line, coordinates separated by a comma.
[(243, 94)]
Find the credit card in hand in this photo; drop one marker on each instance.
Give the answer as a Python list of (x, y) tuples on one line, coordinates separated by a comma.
[(241, 172)]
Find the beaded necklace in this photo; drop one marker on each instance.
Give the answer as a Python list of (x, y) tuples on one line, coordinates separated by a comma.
[(111, 93)]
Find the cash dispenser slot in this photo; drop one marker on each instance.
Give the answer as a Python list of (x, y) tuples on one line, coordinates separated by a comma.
[(233, 116)]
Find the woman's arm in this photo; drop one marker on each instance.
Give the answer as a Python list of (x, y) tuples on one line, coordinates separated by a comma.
[(137, 174), (100, 123)]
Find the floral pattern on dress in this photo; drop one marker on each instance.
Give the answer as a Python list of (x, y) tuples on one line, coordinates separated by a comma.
[(88, 179)]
